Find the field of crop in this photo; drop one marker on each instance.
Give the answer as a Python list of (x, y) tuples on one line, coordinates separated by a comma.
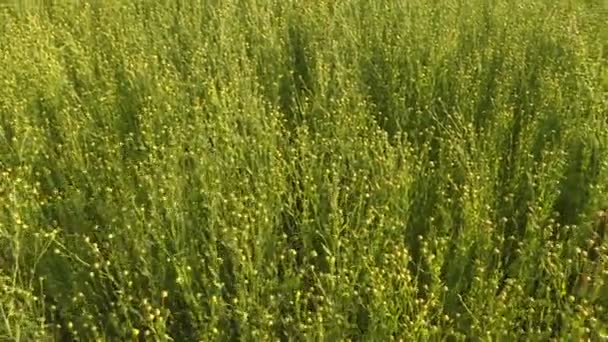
[(303, 170)]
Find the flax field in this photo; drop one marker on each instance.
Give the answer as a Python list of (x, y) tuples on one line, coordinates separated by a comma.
[(304, 170)]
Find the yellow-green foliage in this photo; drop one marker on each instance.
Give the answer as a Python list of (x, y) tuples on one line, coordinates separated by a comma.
[(303, 170)]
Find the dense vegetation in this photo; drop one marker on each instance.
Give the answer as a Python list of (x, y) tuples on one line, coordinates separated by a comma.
[(303, 170)]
